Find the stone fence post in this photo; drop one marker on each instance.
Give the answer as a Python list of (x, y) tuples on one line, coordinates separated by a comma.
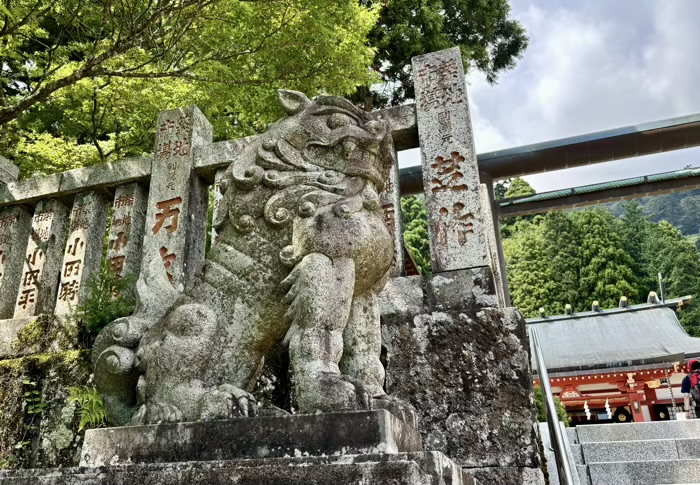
[(176, 215), (460, 223), (15, 224), (450, 172)]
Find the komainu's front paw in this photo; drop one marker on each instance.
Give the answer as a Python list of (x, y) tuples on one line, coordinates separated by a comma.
[(156, 412), (331, 392), (399, 408), (227, 402)]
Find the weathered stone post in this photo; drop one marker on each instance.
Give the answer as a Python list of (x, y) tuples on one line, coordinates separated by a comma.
[(177, 200), (390, 199), (15, 224), (493, 241), (126, 231), (83, 252), (37, 291), (218, 197), (450, 173)]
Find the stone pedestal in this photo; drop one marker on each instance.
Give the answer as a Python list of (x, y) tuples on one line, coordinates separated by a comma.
[(463, 364), (359, 448), (381, 469), (363, 432)]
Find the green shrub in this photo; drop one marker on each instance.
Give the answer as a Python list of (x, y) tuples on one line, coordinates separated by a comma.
[(539, 402), (110, 297)]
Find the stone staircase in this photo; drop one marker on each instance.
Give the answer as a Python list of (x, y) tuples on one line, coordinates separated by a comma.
[(664, 452)]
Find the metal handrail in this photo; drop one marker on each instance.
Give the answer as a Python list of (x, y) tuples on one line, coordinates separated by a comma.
[(563, 466)]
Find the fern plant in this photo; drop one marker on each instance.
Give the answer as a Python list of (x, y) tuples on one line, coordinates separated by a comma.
[(90, 406), (110, 297)]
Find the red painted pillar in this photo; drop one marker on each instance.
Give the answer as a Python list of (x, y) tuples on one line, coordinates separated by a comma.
[(635, 405)]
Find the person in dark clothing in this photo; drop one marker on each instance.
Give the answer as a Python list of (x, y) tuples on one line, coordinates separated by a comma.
[(694, 412)]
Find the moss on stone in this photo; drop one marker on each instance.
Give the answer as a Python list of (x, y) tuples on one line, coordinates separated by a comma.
[(56, 441), (45, 333)]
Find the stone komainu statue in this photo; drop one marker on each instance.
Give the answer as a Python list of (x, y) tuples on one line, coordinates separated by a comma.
[(302, 255)]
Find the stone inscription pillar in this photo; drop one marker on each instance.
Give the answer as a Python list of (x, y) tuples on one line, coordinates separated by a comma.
[(15, 226), (390, 199), (176, 216), (42, 261), (450, 173), (218, 197), (126, 230), (83, 253)]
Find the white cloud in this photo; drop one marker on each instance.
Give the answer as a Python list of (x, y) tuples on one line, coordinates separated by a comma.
[(592, 66)]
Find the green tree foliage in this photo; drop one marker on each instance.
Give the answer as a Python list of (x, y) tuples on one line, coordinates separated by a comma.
[(680, 209), (518, 188), (606, 271), (415, 232), (542, 416), (577, 257), (489, 40), (83, 81), (567, 257)]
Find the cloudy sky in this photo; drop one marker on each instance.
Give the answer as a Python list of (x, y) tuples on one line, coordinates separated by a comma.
[(591, 66)]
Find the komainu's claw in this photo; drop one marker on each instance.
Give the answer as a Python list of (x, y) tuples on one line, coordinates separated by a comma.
[(399, 408), (227, 402), (156, 412)]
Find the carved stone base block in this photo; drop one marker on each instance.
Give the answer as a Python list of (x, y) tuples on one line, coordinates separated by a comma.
[(264, 437), (463, 364), (380, 469)]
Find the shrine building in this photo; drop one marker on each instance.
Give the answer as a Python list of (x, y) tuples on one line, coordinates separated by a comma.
[(633, 358)]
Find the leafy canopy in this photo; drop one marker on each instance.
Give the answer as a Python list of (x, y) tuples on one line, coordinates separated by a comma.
[(488, 39), (82, 81)]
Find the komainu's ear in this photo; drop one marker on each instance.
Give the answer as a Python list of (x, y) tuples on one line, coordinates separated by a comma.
[(293, 102)]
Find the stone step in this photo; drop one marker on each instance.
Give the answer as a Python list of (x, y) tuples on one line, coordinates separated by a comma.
[(577, 453), (650, 450), (645, 472), (583, 476), (619, 451), (594, 433), (429, 468), (348, 433), (573, 435)]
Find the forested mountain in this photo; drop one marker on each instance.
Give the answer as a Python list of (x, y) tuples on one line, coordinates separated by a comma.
[(680, 209), (599, 253)]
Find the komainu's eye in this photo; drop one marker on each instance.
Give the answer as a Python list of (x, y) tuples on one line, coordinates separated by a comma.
[(339, 119)]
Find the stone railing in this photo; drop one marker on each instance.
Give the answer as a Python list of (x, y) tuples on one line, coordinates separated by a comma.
[(52, 228)]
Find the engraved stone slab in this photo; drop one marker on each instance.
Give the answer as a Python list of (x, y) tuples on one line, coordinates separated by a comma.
[(126, 230), (83, 252), (266, 437), (218, 197), (42, 262), (450, 173), (490, 231), (390, 199), (177, 199), (15, 225)]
